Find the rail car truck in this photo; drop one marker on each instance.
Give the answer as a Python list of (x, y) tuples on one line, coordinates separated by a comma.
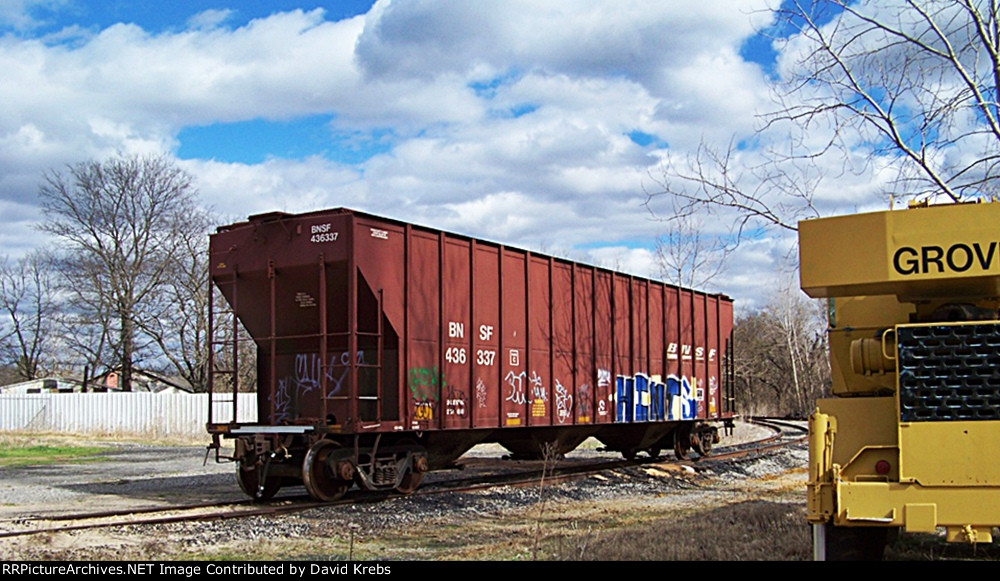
[(910, 440), (386, 349)]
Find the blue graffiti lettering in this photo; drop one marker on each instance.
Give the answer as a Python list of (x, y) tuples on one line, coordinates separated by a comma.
[(306, 377), (683, 404), (639, 398)]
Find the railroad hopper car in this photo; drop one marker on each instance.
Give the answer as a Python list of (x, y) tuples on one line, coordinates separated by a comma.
[(386, 349), (910, 440)]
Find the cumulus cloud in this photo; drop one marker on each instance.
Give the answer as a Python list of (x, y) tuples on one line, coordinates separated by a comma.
[(209, 19), (512, 121)]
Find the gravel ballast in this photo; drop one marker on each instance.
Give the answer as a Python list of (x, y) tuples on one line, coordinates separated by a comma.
[(468, 524)]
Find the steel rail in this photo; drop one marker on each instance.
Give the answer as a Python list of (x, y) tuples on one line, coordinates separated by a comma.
[(286, 505)]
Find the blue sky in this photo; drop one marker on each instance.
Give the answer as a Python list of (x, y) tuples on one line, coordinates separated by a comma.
[(159, 16), (539, 124), (256, 140)]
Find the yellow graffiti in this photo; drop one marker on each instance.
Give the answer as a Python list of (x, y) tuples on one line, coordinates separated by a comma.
[(423, 412)]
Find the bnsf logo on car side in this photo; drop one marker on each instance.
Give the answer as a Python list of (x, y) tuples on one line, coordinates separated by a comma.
[(958, 257)]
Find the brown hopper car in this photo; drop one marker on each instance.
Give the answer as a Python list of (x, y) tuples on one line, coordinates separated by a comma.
[(386, 349)]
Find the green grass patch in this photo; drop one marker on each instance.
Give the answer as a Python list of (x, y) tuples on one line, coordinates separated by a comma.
[(42, 454)]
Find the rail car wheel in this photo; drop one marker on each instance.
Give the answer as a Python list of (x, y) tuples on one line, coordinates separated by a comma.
[(327, 471), (701, 445), (249, 480), (682, 442), (410, 482), (415, 473), (702, 439)]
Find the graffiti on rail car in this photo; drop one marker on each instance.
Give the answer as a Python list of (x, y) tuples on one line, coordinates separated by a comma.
[(423, 411), (307, 376), (539, 396), (481, 395), (604, 385), (455, 402), (713, 390), (516, 383), (516, 394), (584, 403), (635, 398), (426, 385), (564, 403), (644, 398), (684, 403)]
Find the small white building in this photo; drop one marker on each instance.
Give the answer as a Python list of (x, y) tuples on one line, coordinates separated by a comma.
[(142, 381), (43, 385)]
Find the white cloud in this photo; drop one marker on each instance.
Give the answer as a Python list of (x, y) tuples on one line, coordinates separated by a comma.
[(209, 19), (637, 261), (236, 190), (508, 121)]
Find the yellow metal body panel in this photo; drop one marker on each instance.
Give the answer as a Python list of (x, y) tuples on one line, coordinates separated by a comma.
[(894, 504), (849, 435), (861, 423), (946, 251), (920, 517), (853, 319), (970, 534), (829, 252), (950, 453), (844, 433), (875, 312)]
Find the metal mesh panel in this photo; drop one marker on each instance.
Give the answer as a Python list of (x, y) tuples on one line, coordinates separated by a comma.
[(949, 372)]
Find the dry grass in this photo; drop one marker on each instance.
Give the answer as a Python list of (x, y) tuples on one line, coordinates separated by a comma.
[(29, 438), (746, 531), (932, 547)]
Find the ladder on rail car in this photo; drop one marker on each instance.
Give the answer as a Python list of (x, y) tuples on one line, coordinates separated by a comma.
[(353, 360), (219, 367)]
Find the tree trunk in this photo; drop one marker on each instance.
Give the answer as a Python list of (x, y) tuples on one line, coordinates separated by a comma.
[(128, 345)]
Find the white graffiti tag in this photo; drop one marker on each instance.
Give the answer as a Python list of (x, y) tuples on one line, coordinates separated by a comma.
[(538, 391), (480, 393), (564, 403), (516, 383)]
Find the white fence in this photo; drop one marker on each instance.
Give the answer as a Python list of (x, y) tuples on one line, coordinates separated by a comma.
[(143, 414)]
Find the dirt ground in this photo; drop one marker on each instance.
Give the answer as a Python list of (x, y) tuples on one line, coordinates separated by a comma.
[(569, 521), (702, 510)]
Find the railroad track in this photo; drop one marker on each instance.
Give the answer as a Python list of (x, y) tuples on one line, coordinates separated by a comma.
[(524, 474)]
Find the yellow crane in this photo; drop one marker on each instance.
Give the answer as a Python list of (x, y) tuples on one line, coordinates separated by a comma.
[(910, 439)]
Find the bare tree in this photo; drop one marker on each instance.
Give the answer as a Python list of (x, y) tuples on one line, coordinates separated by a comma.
[(179, 325), (783, 364), (753, 191), (915, 80), (86, 329), (28, 302), (905, 86), (689, 257), (121, 224), (802, 337)]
